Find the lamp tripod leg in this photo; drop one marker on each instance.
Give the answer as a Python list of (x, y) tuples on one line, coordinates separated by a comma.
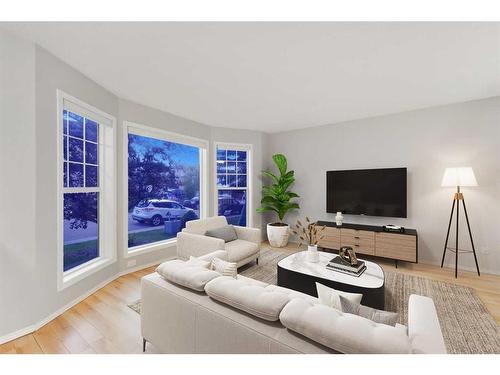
[(456, 240), (471, 240), (448, 233)]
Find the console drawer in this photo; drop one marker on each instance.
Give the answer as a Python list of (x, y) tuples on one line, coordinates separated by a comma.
[(357, 234), (331, 238), (361, 245), (396, 246)]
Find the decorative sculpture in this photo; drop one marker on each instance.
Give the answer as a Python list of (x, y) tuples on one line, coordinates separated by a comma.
[(348, 255)]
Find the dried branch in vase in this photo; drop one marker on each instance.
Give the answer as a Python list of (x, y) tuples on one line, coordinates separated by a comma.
[(309, 233)]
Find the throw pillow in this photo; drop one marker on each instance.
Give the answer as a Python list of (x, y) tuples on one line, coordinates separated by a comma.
[(226, 233), (378, 316), (224, 268), (194, 261), (331, 297)]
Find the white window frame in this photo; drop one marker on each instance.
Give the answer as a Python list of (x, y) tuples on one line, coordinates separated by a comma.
[(157, 133), (106, 189), (238, 147)]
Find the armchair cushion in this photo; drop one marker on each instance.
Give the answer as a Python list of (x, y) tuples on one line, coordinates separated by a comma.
[(240, 249), (248, 234), (226, 233), (200, 226), (196, 245)]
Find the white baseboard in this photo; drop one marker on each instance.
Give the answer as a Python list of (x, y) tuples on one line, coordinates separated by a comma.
[(32, 328)]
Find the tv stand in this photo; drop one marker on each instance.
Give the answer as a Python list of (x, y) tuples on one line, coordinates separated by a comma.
[(371, 240)]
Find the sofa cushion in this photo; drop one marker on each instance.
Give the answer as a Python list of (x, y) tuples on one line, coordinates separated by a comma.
[(331, 297), (378, 316), (345, 333), (194, 261), (224, 268), (251, 281), (292, 293), (226, 233), (247, 296), (188, 275), (240, 249), (200, 226)]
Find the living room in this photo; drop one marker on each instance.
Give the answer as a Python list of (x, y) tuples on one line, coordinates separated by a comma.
[(250, 187)]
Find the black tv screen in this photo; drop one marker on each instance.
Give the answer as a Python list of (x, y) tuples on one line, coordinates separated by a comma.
[(373, 192)]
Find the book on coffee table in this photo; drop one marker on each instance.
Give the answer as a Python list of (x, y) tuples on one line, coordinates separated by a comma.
[(340, 263), (347, 272)]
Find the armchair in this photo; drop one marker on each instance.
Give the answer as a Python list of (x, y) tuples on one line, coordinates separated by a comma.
[(193, 242)]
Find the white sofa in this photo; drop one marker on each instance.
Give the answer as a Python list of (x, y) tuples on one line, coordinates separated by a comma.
[(193, 242), (248, 316)]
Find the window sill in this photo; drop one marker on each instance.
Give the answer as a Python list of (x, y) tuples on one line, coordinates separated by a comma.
[(86, 270), (144, 249)]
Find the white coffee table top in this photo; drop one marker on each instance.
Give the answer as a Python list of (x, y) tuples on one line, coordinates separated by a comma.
[(373, 277)]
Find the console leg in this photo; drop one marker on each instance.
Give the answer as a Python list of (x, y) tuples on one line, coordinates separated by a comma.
[(396, 263), (144, 345), (257, 261)]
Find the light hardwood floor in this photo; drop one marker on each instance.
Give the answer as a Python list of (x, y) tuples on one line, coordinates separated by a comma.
[(103, 323)]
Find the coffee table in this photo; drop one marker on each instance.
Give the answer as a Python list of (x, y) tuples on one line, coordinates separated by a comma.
[(296, 273)]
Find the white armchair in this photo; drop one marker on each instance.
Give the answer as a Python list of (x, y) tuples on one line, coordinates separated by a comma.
[(193, 242)]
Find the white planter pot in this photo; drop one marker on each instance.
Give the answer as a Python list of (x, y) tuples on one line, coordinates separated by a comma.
[(312, 253), (278, 235)]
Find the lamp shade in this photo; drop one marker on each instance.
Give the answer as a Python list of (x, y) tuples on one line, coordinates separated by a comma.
[(462, 176)]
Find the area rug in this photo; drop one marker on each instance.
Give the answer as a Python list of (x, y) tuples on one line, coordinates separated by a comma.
[(467, 326)]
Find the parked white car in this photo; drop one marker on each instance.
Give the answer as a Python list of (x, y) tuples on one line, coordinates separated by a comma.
[(155, 211)]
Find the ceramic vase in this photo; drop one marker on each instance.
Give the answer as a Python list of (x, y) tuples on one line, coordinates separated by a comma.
[(339, 218), (312, 253)]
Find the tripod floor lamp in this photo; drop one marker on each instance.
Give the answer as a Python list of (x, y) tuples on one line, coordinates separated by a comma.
[(459, 177)]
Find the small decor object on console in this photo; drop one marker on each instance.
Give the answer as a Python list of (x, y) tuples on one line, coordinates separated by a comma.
[(339, 218), (393, 228), (309, 233)]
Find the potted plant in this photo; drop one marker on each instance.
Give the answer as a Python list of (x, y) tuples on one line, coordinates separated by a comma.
[(309, 233), (278, 198)]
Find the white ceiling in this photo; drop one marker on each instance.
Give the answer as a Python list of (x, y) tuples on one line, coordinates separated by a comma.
[(280, 76)]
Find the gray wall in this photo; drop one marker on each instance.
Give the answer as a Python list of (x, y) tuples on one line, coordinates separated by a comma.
[(17, 183), (29, 78), (425, 141), (52, 74)]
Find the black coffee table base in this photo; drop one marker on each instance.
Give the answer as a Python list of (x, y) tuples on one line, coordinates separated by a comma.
[(373, 297)]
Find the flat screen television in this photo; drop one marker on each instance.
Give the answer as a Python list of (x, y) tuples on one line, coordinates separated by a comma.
[(372, 192)]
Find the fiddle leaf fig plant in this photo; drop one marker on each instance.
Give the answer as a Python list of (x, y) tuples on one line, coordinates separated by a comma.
[(277, 197)]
